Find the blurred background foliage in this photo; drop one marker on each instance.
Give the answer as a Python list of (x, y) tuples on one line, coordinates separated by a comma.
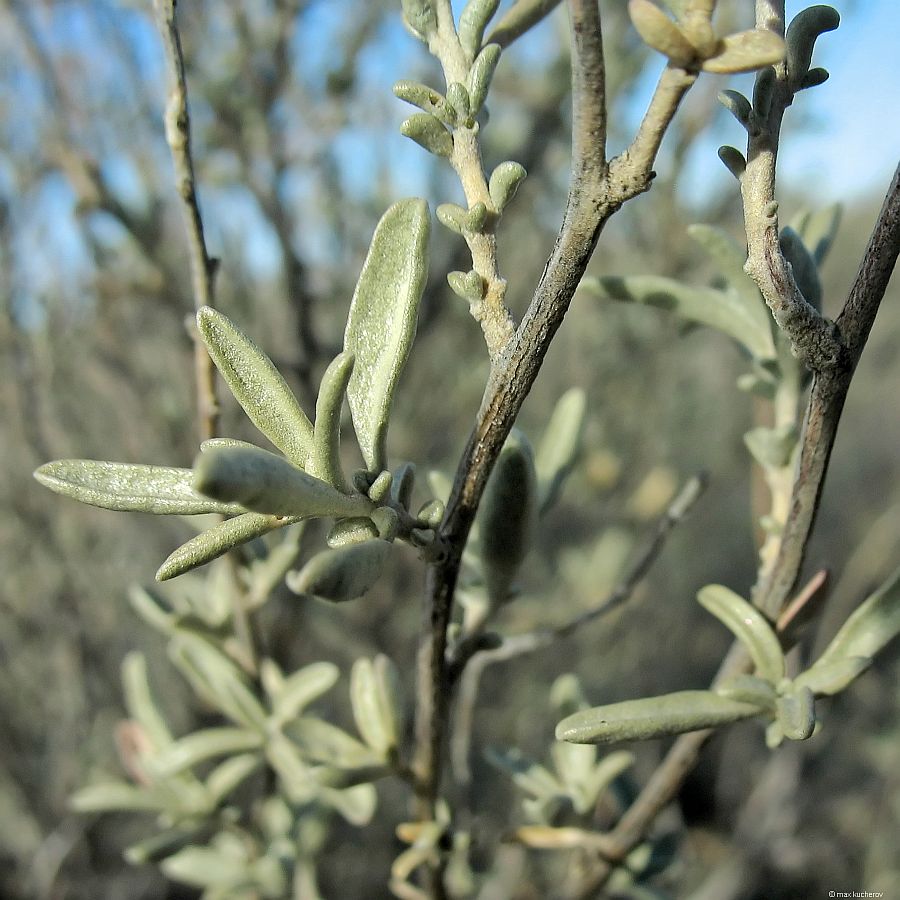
[(297, 155)]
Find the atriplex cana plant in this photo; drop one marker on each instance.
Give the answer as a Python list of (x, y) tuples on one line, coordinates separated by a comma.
[(256, 503)]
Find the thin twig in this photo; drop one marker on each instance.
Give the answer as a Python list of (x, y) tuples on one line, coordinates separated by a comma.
[(826, 400), (593, 198), (812, 337), (203, 266)]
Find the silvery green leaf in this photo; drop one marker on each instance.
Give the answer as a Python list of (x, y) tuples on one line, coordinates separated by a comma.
[(658, 31), (207, 867), (321, 742), (139, 701), (382, 321), (733, 160), (519, 18), (402, 484), (566, 695), (216, 442), (356, 804), (797, 714), (351, 531), (559, 445), (739, 106), (431, 514), (729, 258), (199, 746), (508, 515), (341, 574), (607, 770), (149, 609), (652, 717), (452, 217), (257, 385), (266, 483), (472, 21), (801, 37), (480, 76), (723, 310), (426, 98), (372, 700), (299, 689), (870, 628), (825, 679), (295, 774), (126, 487), (158, 846), (772, 447), (746, 51), (803, 266), (529, 775), (228, 775), (819, 229), (504, 182), (219, 539), (429, 133), (420, 17), (216, 679), (458, 100), (749, 689), (381, 487), (575, 763), (331, 777), (112, 796), (749, 626), (325, 459)]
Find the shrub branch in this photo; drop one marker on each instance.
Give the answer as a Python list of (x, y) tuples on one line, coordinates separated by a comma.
[(596, 191)]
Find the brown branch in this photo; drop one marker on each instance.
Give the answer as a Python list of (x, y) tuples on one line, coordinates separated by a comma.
[(826, 401), (823, 413), (203, 266), (594, 195)]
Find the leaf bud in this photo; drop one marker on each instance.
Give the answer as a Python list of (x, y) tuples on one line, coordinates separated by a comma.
[(504, 182)]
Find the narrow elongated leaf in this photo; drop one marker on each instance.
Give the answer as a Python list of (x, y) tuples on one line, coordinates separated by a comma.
[(217, 679), (559, 445), (298, 690), (529, 775), (508, 515), (207, 867), (659, 32), (285, 758), (519, 18), (382, 321), (325, 459), (640, 720), (371, 697), (827, 678), (139, 701), (113, 796), (127, 487), (257, 385), (871, 627), (199, 746), (723, 310), (749, 626), (266, 483), (219, 539), (231, 773), (356, 804), (341, 574), (320, 741), (729, 258), (746, 51)]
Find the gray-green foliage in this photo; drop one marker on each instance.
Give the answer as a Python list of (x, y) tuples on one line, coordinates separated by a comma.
[(305, 770)]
